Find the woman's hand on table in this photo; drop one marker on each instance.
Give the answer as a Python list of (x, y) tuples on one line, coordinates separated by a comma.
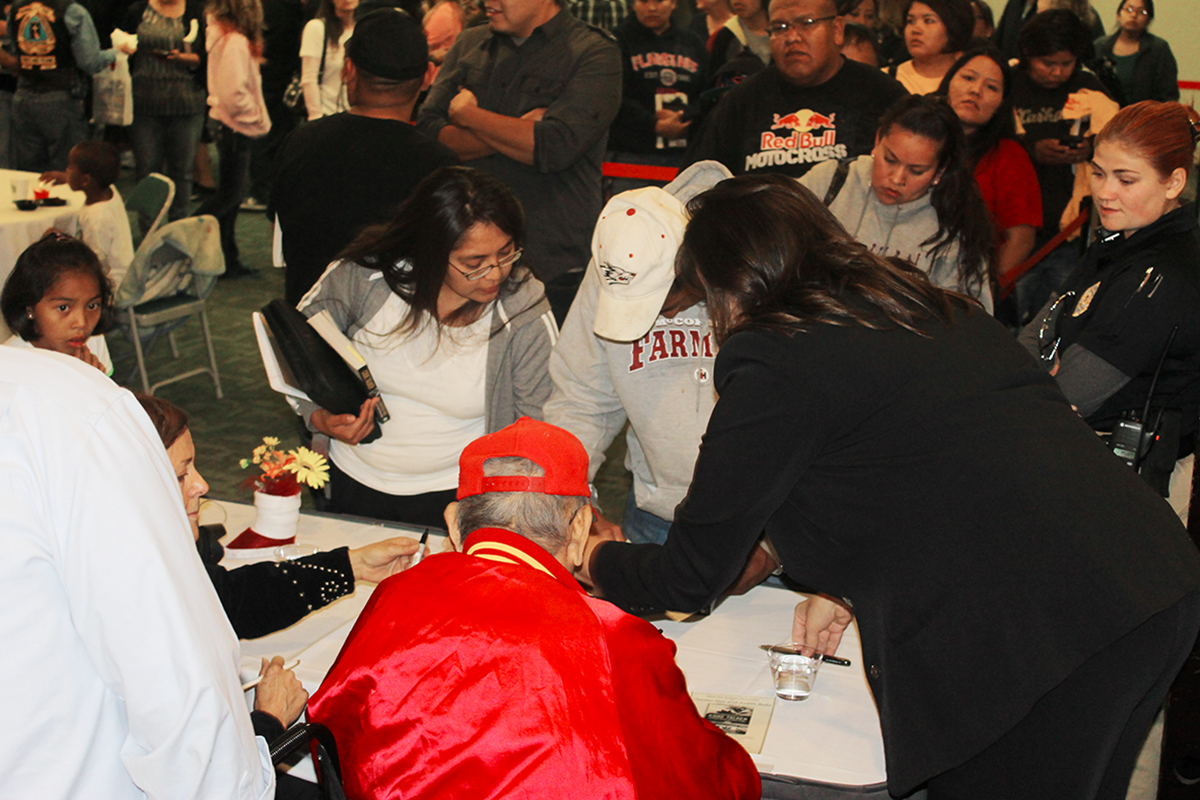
[(377, 561), (347, 428), (279, 694), (819, 622)]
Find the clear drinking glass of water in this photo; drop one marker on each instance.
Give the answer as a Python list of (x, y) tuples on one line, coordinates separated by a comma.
[(794, 668)]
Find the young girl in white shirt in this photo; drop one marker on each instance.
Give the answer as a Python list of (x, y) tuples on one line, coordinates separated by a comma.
[(58, 298)]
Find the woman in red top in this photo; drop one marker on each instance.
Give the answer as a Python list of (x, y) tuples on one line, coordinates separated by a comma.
[(978, 88)]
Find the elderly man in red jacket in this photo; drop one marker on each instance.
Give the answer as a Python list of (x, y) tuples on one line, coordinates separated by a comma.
[(489, 673)]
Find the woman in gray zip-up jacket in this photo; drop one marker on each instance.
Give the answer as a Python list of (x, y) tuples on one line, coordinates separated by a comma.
[(456, 332)]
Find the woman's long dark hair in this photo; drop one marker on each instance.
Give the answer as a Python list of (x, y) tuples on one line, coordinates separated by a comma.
[(413, 248), (1000, 126), (768, 254), (962, 216), (327, 13)]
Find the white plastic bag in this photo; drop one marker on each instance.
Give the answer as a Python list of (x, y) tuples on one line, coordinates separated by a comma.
[(112, 94)]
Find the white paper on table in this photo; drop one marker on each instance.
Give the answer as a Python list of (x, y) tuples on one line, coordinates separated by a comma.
[(745, 718)]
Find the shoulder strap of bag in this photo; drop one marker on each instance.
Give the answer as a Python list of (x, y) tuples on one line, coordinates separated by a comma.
[(324, 49), (838, 181)]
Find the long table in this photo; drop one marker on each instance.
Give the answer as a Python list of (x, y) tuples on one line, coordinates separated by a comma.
[(833, 737)]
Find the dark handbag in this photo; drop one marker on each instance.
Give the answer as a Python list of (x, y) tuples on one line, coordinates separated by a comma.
[(293, 95), (320, 372)]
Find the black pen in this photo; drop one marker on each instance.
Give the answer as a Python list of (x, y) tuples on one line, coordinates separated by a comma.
[(420, 549)]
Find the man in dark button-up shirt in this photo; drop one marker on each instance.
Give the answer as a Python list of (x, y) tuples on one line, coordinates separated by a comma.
[(529, 99)]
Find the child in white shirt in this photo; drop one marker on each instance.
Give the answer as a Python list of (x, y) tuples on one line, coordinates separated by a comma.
[(92, 168)]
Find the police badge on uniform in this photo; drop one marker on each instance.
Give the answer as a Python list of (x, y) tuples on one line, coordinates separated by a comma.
[(613, 274), (1085, 299)]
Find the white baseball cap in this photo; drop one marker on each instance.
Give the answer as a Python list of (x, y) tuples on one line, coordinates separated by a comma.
[(633, 253)]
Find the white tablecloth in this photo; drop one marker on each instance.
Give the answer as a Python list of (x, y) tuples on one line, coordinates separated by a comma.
[(832, 737), (19, 229)]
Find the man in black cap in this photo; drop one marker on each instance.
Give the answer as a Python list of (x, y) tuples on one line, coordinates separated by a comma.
[(338, 173)]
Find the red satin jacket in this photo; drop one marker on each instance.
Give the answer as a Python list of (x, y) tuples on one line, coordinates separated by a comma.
[(491, 674)]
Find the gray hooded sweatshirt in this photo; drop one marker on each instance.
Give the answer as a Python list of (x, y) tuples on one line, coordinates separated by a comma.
[(662, 383), (896, 230)]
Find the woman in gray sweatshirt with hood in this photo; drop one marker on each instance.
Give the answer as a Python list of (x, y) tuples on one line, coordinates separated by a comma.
[(915, 197)]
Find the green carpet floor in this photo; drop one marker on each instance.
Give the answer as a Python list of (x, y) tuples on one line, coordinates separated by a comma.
[(227, 430)]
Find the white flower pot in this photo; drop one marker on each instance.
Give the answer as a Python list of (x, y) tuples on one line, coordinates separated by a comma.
[(277, 516)]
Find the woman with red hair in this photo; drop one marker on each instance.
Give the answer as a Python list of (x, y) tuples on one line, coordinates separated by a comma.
[(1123, 335)]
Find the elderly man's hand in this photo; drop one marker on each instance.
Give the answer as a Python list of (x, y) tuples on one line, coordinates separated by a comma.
[(463, 101), (379, 560), (279, 694)]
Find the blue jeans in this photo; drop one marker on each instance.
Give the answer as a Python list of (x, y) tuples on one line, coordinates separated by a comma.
[(45, 126), (642, 527), (233, 180), (168, 144)]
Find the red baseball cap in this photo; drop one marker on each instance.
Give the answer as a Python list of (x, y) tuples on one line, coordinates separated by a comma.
[(556, 451)]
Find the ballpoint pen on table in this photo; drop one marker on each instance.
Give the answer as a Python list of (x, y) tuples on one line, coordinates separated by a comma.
[(835, 660)]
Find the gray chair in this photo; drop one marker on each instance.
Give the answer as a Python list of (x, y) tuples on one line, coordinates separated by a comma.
[(150, 200), (173, 272)]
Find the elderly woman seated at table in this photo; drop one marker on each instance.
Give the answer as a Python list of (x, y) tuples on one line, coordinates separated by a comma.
[(267, 597)]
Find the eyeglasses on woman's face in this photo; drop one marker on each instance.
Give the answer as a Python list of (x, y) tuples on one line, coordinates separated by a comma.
[(478, 273)]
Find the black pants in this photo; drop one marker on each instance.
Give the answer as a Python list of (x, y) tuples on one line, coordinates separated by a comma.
[(348, 496), (1082, 739), (233, 149)]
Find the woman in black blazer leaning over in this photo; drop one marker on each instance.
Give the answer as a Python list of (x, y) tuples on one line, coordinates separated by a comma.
[(1024, 599)]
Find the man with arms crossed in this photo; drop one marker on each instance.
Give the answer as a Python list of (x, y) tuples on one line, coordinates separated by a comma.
[(529, 99)]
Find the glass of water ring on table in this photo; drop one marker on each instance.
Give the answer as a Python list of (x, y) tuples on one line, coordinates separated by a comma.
[(794, 669)]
